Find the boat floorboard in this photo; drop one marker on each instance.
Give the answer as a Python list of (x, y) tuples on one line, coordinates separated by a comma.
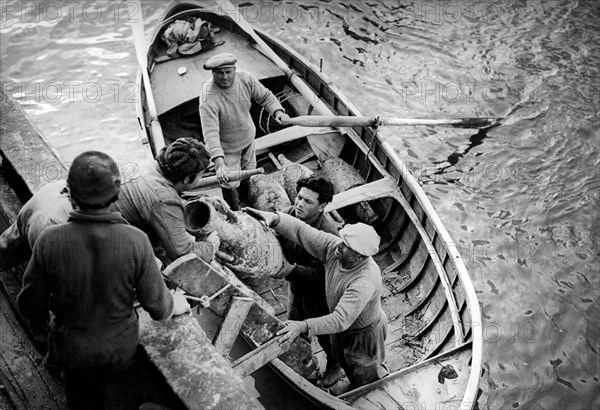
[(176, 89), (406, 388), (28, 383), (21, 364)]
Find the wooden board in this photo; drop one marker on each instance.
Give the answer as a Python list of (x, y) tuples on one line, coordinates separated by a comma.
[(419, 385), (259, 357), (196, 372), (172, 89), (289, 134), (21, 367), (199, 278), (385, 187), (230, 327)]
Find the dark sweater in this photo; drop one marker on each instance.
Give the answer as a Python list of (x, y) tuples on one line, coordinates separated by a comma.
[(87, 273), (308, 276)]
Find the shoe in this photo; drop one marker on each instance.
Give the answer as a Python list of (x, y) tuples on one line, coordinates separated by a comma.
[(332, 375), (341, 387)]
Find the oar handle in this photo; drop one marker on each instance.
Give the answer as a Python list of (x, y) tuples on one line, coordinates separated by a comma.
[(354, 121), (332, 121), (445, 122), (207, 182)]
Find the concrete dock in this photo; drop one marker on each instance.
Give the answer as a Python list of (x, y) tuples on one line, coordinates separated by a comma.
[(28, 162)]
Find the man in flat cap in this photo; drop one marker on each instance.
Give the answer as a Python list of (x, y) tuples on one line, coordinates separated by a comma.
[(227, 126), (353, 284)]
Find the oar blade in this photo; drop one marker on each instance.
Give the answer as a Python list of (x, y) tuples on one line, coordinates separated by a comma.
[(475, 122)]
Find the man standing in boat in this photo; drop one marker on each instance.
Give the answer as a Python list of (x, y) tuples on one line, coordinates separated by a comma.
[(304, 272), (353, 285), (227, 125), (87, 272)]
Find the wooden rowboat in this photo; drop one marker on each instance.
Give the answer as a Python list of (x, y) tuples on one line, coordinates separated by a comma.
[(434, 345)]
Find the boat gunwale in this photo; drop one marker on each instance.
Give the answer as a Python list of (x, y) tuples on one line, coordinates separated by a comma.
[(449, 245), (392, 162)]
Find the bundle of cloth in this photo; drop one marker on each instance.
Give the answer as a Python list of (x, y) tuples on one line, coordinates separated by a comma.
[(187, 37)]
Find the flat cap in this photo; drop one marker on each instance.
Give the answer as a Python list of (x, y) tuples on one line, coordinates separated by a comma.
[(361, 238), (220, 60), (94, 178)]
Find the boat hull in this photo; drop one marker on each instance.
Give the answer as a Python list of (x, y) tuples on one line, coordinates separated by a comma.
[(434, 315)]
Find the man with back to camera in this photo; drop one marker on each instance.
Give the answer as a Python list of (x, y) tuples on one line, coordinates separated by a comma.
[(304, 272), (227, 125), (87, 271)]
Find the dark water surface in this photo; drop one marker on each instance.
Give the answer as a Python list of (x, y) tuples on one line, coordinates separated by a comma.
[(521, 201)]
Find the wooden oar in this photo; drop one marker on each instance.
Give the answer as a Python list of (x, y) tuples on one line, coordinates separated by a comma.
[(353, 121), (304, 89), (137, 27), (208, 182)]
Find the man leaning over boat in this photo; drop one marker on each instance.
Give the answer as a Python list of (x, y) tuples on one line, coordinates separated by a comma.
[(304, 272), (150, 202), (227, 125), (353, 285)]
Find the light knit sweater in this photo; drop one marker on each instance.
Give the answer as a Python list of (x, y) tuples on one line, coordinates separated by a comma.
[(227, 126), (150, 202), (353, 295)]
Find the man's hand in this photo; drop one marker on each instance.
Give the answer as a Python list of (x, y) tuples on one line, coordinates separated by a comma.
[(282, 118), (180, 304), (291, 331), (285, 270), (221, 172), (264, 217), (214, 240)]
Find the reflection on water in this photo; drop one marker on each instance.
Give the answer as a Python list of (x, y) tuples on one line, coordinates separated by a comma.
[(520, 200)]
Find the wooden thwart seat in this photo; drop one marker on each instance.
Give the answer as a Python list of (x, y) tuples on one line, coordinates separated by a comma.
[(289, 134), (259, 357), (232, 324), (385, 187), (243, 311)]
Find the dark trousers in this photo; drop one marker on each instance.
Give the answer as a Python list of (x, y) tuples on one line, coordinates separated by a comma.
[(112, 386), (302, 307), (362, 352), (14, 248)]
